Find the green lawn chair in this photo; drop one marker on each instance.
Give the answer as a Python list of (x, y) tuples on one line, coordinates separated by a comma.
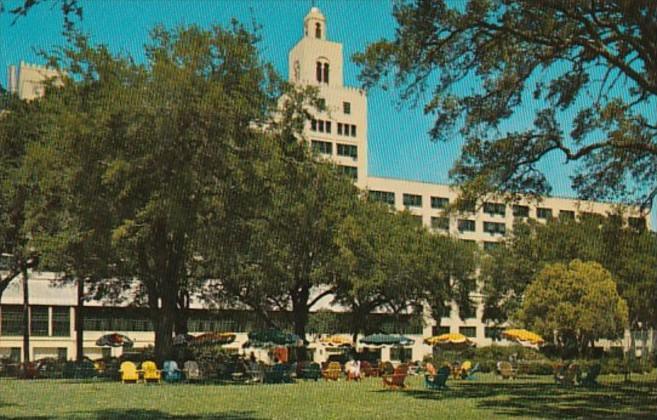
[(439, 380), (590, 377), (278, 374), (311, 371)]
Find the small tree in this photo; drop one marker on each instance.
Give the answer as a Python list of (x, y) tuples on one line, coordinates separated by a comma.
[(577, 303)]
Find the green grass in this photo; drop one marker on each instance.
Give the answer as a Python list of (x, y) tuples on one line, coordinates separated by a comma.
[(487, 397)]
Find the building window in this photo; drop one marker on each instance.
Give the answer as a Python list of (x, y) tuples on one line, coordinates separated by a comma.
[(386, 197), (440, 223), (340, 129), (520, 211), (321, 103), (348, 150), (543, 213), (469, 242), (494, 333), (350, 171), (318, 30), (417, 219), (495, 209), (62, 353), (313, 125), (638, 223), (323, 147), (490, 246), (12, 320), (439, 202), (346, 107), (468, 331), (412, 200), (466, 225), (353, 130), (566, 214), (326, 73), (61, 321), (39, 320), (469, 311), (440, 329), (318, 72), (494, 228), (402, 354), (15, 354), (320, 126), (328, 127)]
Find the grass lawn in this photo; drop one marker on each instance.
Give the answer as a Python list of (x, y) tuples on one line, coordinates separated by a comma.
[(487, 397)]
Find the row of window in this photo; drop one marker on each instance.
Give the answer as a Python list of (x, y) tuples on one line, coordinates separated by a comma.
[(325, 126), (494, 209), (350, 171), (11, 321), (326, 148)]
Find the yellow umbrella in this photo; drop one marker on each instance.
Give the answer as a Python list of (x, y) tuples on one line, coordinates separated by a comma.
[(523, 336), (448, 339), (336, 340)]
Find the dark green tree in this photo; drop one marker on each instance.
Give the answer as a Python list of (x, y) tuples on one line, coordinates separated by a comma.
[(629, 254), (388, 261), (582, 73), (154, 158)]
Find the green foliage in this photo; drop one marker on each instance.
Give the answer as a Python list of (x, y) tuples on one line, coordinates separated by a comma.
[(629, 254), (578, 301), (583, 70), (387, 261), (139, 170)]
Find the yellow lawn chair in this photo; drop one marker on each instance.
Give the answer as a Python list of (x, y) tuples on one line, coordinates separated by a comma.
[(129, 372), (151, 372)]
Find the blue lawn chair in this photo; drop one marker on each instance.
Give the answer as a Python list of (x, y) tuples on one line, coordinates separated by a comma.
[(171, 371), (439, 380)]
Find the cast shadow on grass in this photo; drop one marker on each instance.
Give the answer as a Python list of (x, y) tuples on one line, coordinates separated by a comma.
[(138, 414), (635, 400)]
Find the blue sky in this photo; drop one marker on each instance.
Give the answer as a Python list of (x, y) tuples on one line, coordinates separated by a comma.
[(399, 146)]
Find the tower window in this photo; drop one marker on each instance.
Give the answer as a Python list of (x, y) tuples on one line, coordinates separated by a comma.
[(353, 130), (326, 73), (318, 30), (340, 128), (328, 127), (346, 107), (319, 72), (321, 126)]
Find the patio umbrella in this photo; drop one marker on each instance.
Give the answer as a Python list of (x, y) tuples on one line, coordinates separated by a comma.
[(114, 340), (337, 341), (523, 336), (273, 338), (449, 341), (387, 340), (210, 338)]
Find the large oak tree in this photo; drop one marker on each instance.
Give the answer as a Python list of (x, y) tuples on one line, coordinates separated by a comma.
[(579, 75)]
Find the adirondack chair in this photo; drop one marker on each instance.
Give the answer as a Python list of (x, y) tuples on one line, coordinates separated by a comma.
[(278, 374), (192, 371), (171, 371), (590, 377), (567, 375), (395, 380), (151, 372), (368, 370), (470, 374), (506, 370), (386, 368), (129, 372), (310, 371), (332, 371), (437, 380)]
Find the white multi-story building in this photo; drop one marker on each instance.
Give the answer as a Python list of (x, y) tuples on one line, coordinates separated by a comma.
[(340, 134)]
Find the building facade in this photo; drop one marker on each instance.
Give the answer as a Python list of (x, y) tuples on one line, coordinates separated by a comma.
[(340, 134)]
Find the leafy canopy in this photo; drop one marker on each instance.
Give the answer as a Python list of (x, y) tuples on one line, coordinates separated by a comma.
[(582, 74), (578, 300)]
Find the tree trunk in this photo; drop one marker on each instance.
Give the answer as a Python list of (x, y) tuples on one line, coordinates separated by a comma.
[(164, 324), (182, 314), (300, 313), (79, 321), (26, 321)]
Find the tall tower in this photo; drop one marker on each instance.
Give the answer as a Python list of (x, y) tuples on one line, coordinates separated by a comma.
[(340, 132)]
